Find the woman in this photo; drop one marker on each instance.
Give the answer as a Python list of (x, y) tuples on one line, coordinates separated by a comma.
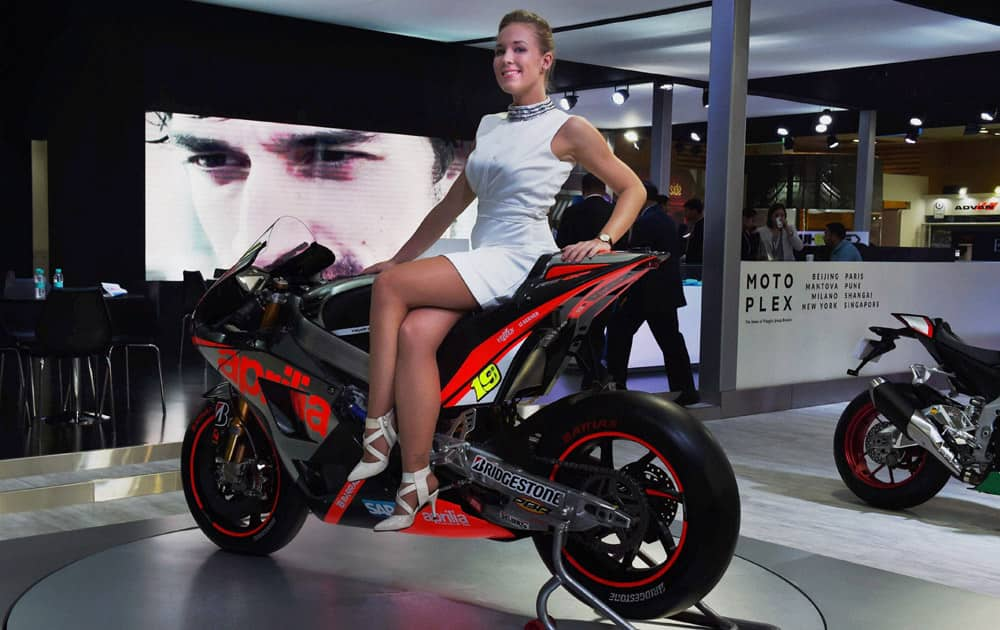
[(521, 159), (778, 239)]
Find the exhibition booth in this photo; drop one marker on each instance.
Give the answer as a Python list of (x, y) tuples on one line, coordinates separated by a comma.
[(357, 130)]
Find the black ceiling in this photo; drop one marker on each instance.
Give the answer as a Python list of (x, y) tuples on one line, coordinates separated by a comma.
[(982, 10)]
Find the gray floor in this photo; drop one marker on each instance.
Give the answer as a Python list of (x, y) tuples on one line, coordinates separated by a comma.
[(798, 519), (360, 579), (792, 495)]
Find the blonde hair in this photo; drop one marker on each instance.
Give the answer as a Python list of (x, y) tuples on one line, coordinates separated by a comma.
[(542, 31)]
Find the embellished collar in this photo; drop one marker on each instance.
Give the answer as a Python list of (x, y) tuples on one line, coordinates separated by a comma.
[(527, 112)]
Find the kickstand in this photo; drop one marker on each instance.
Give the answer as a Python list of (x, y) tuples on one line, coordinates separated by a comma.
[(561, 578), (705, 618)]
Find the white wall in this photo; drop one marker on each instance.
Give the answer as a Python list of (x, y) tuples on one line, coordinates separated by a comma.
[(910, 188)]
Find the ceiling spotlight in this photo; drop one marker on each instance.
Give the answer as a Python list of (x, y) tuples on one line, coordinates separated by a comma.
[(695, 137), (631, 135), (826, 118), (821, 128), (788, 143), (983, 130), (782, 131), (911, 136), (963, 191), (832, 142), (568, 101), (996, 191), (856, 140), (619, 96), (667, 86), (704, 97), (988, 114), (917, 121)]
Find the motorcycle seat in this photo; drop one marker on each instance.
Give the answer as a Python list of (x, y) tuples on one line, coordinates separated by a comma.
[(952, 341)]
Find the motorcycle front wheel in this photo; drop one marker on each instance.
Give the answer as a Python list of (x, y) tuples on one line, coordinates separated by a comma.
[(251, 508), (663, 468), (875, 471)]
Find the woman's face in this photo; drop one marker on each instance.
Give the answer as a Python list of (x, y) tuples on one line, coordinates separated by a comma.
[(518, 62), (778, 217)]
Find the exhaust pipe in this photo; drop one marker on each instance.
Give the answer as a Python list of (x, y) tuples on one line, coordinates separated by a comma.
[(902, 408)]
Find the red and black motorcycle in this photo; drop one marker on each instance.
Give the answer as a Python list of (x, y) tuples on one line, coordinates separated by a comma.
[(630, 501), (897, 444)]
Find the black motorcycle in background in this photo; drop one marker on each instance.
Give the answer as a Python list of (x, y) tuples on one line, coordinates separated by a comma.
[(897, 444)]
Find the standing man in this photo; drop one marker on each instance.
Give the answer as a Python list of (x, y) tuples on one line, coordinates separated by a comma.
[(655, 298), (581, 222), (694, 215), (584, 219), (841, 250), (750, 246)]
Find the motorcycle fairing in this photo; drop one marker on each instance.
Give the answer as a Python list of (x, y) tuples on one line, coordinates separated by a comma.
[(478, 345)]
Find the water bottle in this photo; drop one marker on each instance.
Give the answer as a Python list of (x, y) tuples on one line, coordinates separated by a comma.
[(57, 279), (39, 283)]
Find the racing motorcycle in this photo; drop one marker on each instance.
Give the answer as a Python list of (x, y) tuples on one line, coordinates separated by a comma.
[(629, 501), (897, 444)]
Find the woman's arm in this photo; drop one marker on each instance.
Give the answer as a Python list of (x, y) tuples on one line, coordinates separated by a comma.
[(437, 220), (579, 141), (793, 238)]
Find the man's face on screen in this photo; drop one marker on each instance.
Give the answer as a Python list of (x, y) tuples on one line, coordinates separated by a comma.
[(362, 194)]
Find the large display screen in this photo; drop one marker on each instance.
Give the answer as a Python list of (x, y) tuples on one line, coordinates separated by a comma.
[(213, 185)]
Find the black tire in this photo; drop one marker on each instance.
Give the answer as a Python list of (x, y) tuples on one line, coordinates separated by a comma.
[(921, 476), (692, 490), (232, 520)]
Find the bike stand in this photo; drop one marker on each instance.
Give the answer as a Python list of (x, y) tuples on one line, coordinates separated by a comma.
[(705, 618)]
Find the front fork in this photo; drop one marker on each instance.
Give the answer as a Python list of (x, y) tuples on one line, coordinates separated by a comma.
[(235, 448)]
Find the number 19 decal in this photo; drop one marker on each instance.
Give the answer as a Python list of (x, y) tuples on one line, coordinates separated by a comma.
[(487, 380)]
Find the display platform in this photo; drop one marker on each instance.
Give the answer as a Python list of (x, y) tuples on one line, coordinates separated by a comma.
[(340, 577)]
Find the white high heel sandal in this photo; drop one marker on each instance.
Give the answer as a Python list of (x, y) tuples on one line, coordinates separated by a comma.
[(383, 425), (412, 482)]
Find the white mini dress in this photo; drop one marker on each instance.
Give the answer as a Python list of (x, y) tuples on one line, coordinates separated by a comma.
[(516, 177)]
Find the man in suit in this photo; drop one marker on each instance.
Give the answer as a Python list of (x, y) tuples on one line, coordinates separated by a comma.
[(655, 299), (584, 219), (694, 215), (581, 222)]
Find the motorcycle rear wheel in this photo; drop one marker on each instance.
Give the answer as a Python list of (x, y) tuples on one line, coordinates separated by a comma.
[(911, 477), (234, 520), (688, 513)]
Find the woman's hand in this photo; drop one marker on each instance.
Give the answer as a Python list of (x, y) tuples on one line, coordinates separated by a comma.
[(379, 267), (584, 249)]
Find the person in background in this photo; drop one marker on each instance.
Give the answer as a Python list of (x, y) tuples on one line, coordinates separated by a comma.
[(778, 239), (694, 215), (841, 250), (750, 246), (581, 222), (655, 299), (584, 219)]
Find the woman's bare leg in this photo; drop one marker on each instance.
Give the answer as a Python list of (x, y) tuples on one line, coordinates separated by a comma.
[(418, 387), (430, 282)]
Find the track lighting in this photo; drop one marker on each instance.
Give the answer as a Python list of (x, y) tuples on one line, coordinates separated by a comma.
[(911, 136), (631, 135), (695, 136), (619, 96), (826, 118), (782, 131), (788, 143), (832, 142), (916, 121), (983, 130), (704, 98), (667, 86), (568, 101), (821, 128), (989, 115)]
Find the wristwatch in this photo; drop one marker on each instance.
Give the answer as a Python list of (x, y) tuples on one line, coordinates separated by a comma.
[(604, 238)]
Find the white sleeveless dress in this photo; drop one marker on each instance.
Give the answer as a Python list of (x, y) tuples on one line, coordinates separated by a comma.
[(516, 177)]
